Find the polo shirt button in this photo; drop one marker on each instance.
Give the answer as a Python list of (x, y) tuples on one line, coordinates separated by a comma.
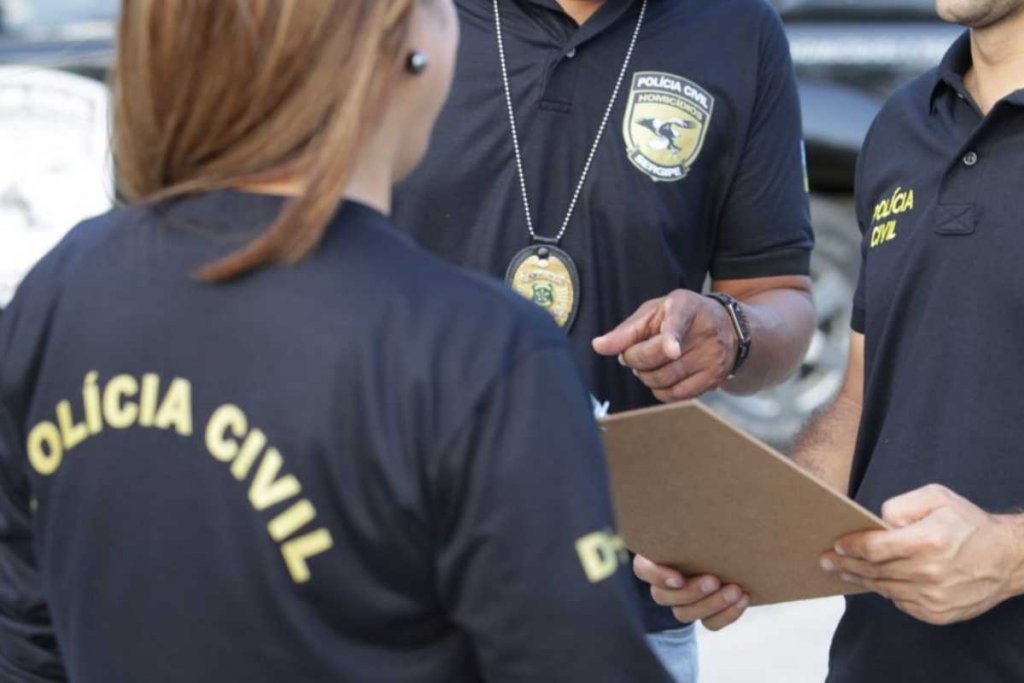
[(570, 53), (971, 158)]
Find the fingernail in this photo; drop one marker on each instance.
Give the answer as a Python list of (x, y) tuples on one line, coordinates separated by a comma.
[(622, 360), (707, 586), (636, 373), (674, 583), (848, 578), (744, 603), (732, 595), (828, 565), (839, 550)]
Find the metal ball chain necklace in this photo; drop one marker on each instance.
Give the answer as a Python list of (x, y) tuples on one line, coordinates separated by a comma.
[(542, 272)]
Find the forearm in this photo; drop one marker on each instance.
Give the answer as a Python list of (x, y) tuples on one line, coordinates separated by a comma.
[(826, 445), (781, 325)]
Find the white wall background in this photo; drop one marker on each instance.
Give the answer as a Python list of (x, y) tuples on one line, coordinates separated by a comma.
[(775, 644)]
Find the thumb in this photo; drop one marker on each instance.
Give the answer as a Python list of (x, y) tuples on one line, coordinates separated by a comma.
[(914, 506), (632, 331)]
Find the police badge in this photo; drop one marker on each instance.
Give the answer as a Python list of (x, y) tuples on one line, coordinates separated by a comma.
[(667, 119), (547, 276)]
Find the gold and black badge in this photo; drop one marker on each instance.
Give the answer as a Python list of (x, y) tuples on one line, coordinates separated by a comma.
[(667, 119), (547, 276)]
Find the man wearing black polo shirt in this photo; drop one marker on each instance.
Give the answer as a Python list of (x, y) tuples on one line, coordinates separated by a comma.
[(935, 374), (605, 156), (927, 429)]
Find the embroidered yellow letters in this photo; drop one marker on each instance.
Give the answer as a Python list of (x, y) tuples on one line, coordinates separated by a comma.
[(147, 402), (883, 225)]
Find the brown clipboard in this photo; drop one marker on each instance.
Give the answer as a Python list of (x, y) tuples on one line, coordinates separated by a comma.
[(693, 492)]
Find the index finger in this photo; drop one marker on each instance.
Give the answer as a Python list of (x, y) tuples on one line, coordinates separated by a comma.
[(883, 546), (633, 330), (667, 346)]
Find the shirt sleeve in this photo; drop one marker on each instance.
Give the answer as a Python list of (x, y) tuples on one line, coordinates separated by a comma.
[(528, 564), (765, 228), (28, 646), (858, 314)]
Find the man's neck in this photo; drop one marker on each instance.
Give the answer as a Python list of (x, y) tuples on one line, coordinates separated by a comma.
[(997, 53), (580, 10)]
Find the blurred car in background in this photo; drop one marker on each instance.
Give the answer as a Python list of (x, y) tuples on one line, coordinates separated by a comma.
[(849, 55), (55, 166)]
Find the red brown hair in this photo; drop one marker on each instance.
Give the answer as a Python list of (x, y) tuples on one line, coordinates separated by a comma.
[(215, 94)]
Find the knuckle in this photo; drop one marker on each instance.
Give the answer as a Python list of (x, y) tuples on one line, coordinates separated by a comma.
[(872, 551), (949, 515), (933, 542), (674, 300), (853, 548), (930, 572)]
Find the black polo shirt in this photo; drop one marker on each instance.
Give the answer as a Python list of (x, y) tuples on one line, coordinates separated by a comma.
[(730, 201), (317, 473), (941, 304)]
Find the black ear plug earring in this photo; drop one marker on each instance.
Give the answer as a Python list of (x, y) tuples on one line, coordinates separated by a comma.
[(417, 63)]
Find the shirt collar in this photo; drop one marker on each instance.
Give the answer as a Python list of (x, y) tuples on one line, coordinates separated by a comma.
[(604, 18), (954, 66)]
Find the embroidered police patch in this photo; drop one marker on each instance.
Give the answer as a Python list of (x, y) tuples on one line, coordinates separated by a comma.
[(667, 119)]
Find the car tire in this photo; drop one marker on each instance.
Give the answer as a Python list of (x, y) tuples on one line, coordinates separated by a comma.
[(776, 415)]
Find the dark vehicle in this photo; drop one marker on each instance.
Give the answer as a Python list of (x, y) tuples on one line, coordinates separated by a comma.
[(849, 54)]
